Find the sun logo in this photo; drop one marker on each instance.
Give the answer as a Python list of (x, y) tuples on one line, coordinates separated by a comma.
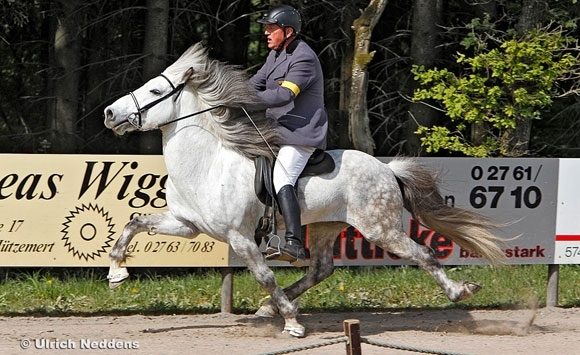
[(88, 232)]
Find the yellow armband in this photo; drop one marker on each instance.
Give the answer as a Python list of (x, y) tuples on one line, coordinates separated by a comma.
[(290, 85)]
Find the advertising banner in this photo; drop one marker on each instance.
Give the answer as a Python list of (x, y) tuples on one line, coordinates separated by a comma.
[(568, 218), (521, 193), (68, 210)]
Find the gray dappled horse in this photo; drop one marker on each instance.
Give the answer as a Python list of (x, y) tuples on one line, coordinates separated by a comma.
[(209, 143)]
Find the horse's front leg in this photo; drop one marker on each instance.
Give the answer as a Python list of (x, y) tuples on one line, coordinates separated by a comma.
[(249, 252), (163, 223)]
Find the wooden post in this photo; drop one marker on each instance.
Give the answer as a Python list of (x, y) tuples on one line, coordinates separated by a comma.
[(227, 289), (552, 288), (352, 331)]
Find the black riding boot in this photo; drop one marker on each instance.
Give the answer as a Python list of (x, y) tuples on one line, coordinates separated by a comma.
[(294, 249)]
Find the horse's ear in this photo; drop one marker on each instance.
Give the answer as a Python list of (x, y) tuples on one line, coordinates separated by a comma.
[(188, 73)]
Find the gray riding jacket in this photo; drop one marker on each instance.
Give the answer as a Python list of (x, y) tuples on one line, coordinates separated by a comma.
[(291, 86)]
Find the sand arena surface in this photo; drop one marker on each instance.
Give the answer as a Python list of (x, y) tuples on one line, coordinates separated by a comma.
[(485, 332)]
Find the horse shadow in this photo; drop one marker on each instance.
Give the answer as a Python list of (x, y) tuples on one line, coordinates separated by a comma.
[(436, 321)]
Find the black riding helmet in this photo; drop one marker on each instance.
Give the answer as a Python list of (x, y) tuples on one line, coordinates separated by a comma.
[(283, 16)]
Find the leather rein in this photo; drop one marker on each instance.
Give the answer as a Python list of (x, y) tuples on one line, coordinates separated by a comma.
[(135, 118)]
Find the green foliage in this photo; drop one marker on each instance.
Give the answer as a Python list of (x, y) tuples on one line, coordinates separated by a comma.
[(498, 88)]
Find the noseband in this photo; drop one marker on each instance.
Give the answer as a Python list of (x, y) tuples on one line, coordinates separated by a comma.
[(135, 118)]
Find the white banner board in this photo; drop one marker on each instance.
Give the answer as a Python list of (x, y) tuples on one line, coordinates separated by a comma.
[(568, 217)]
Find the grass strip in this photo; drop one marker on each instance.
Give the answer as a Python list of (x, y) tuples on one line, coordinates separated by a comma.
[(84, 291)]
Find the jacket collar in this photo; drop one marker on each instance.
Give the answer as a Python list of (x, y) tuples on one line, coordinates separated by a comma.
[(289, 50), (282, 56)]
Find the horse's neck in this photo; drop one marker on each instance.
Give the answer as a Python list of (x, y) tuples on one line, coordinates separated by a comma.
[(188, 145), (193, 152)]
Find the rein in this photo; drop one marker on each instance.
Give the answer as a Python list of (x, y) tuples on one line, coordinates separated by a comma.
[(190, 115), (135, 118)]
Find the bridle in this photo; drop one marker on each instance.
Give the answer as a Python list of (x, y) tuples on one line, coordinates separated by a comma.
[(135, 118)]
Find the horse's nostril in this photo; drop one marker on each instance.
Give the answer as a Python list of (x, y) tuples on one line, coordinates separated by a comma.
[(109, 116)]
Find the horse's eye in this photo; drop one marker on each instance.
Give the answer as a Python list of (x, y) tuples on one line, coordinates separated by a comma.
[(155, 92)]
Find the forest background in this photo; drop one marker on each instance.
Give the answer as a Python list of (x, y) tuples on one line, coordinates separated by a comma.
[(457, 70)]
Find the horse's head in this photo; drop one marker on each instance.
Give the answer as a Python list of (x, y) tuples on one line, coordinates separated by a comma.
[(149, 106)]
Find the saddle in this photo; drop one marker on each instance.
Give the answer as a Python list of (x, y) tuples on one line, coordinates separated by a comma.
[(320, 162)]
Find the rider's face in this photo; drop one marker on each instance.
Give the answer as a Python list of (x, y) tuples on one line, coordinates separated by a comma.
[(274, 35)]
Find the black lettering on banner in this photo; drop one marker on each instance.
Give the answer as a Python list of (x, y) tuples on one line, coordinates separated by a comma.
[(502, 173), (491, 196), (481, 196), (13, 226), (30, 187), (51, 186), (142, 195), (572, 251), (163, 246), (159, 200), (102, 176), (28, 192), (8, 246), (141, 198), (16, 224), (5, 183)]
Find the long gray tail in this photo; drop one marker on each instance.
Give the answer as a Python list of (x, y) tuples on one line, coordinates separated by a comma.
[(472, 231)]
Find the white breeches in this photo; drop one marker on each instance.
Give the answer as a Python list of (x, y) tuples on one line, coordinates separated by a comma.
[(289, 165)]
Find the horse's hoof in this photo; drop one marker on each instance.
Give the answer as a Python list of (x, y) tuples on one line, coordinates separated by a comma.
[(117, 277), (266, 311), (473, 288), (295, 331), (469, 289)]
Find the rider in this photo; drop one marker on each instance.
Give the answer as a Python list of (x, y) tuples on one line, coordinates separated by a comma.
[(290, 84)]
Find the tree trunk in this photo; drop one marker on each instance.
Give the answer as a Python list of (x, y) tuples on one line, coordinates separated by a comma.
[(483, 9), (424, 51), (67, 59), (359, 129), (532, 16), (337, 75), (155, 48), (225, 31)]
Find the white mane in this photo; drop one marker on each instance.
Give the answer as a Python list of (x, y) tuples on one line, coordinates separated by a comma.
[(219, 84)]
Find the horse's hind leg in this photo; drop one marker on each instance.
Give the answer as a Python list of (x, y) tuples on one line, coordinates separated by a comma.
[(163, 223), (321, 237), (403, 246)]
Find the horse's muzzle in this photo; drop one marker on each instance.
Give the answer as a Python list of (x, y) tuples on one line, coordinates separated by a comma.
[(114, 122), (109, 117)]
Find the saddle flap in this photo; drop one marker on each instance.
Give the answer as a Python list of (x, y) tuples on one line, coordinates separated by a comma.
[(263, 183), (320, 162)]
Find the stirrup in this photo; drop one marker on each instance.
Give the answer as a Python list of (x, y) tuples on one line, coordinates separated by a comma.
[(275, 253)]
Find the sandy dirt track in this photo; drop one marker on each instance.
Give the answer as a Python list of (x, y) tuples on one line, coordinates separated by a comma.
[(485, 332)]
